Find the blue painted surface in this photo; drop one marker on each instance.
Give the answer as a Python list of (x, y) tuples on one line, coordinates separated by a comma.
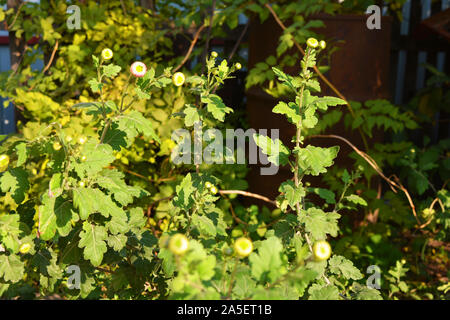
[(7, 119)]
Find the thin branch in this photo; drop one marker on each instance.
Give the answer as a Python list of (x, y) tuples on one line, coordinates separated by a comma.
[(52, 57), (208, 35), (236, 218), (191, 47), (15, 17), (392, 184), (238, 42), (249, 194)]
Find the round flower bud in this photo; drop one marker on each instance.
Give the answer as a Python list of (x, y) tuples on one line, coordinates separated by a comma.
[(322, 44), (243, 246), (56, 146), (4, 162), (178, 244), (178, 79), (107, 54), (321, 250), (24, 248), (312, 43)]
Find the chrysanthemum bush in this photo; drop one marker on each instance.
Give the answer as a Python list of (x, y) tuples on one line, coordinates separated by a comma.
[(87, 214)]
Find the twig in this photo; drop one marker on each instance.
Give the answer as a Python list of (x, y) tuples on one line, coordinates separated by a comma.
[(392, 184), (208, 35), (238, 220), (238, 42), (249, 194), (191, 47), (15, 17), (47, 66)]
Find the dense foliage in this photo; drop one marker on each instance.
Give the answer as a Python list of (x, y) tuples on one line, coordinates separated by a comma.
[(88, 180)]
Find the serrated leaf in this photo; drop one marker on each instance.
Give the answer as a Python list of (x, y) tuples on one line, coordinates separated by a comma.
[(268, 263), (342, 266), (10, 231), (328, 292), (117, 242), (191, 117), (276, 151), (113, 181), (184, 190), (55, 214), (11, 268), (111, 70), (320, 223), (115, 137), (314, 160), (95, 85), (365, 293), (134, 123), (292, 193), (15, 181), (98, 156), (325, 194), (21, 150), (356, 199), (291, 110), (92, 239), (216, 107), (46, 260), (204, 225)]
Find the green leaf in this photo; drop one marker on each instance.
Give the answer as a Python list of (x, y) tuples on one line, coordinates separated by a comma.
[(342, 266), (356, 199), (15, 181), (244, 285), (96, 61), (328, 292), (11, 268), (21, 150), (117, 242), (115, 137), (10, 231), (324, 102), (313, 160), (98, 156), (320, 223), (134, 123), (95, 85), (292, 193), (346, 177), (111, 70), (184, 198), (216, 107), (92, 239), (55, 214), (204, 224), (86, 201), (287, 79), (89, 201), (291, 110), (365, 293), (191, 117), (113, 181), (276, 151), (268, 264), (325, 194), (46, 260)]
